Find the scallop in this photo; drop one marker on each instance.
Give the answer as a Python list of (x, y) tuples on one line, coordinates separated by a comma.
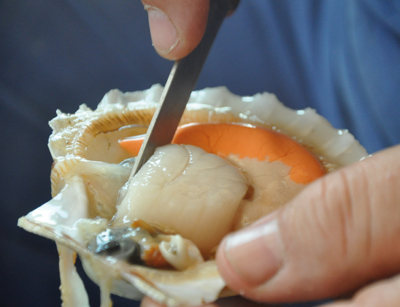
[(187, 198), (186, 189)]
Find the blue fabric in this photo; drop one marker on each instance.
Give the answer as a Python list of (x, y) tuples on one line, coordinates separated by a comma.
[(341, 57)]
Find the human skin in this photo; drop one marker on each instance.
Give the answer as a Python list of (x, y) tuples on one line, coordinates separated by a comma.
[(340, 234), (176, 26), (339, 237)]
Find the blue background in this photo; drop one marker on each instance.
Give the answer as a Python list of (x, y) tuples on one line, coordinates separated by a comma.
[(340, 57)]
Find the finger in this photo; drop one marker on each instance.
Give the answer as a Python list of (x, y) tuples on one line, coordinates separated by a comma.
[(384, 293), (176, 26), (341, 232)]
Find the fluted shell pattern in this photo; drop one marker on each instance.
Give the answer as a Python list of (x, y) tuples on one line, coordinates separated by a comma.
[(86, 158)]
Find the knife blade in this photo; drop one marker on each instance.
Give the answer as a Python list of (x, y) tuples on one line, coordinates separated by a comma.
[(180, 84)]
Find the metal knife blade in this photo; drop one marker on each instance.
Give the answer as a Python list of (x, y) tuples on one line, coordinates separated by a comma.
[(180, 84)]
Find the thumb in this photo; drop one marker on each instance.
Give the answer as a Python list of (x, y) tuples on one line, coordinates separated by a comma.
[(176, 26), (341, 232)]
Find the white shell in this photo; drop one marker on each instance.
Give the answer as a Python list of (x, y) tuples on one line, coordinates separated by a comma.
[(84, 168)]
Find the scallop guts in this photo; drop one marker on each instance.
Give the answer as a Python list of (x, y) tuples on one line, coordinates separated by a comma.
[(182, 191), (186, 190)]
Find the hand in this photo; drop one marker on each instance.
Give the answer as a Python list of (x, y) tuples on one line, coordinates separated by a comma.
[(340, 235), (176, 26)]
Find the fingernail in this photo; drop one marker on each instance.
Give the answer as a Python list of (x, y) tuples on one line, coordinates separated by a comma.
[(255, 253), (163, 32)]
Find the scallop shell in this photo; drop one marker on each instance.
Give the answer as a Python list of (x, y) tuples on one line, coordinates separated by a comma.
[(86, 167)]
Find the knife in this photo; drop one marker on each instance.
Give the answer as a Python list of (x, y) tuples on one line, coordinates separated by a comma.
[(180, 84)]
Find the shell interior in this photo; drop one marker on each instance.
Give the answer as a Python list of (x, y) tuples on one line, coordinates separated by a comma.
[(87, 176)]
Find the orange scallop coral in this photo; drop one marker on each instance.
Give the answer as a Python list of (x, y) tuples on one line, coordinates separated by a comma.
[(226, 139)]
